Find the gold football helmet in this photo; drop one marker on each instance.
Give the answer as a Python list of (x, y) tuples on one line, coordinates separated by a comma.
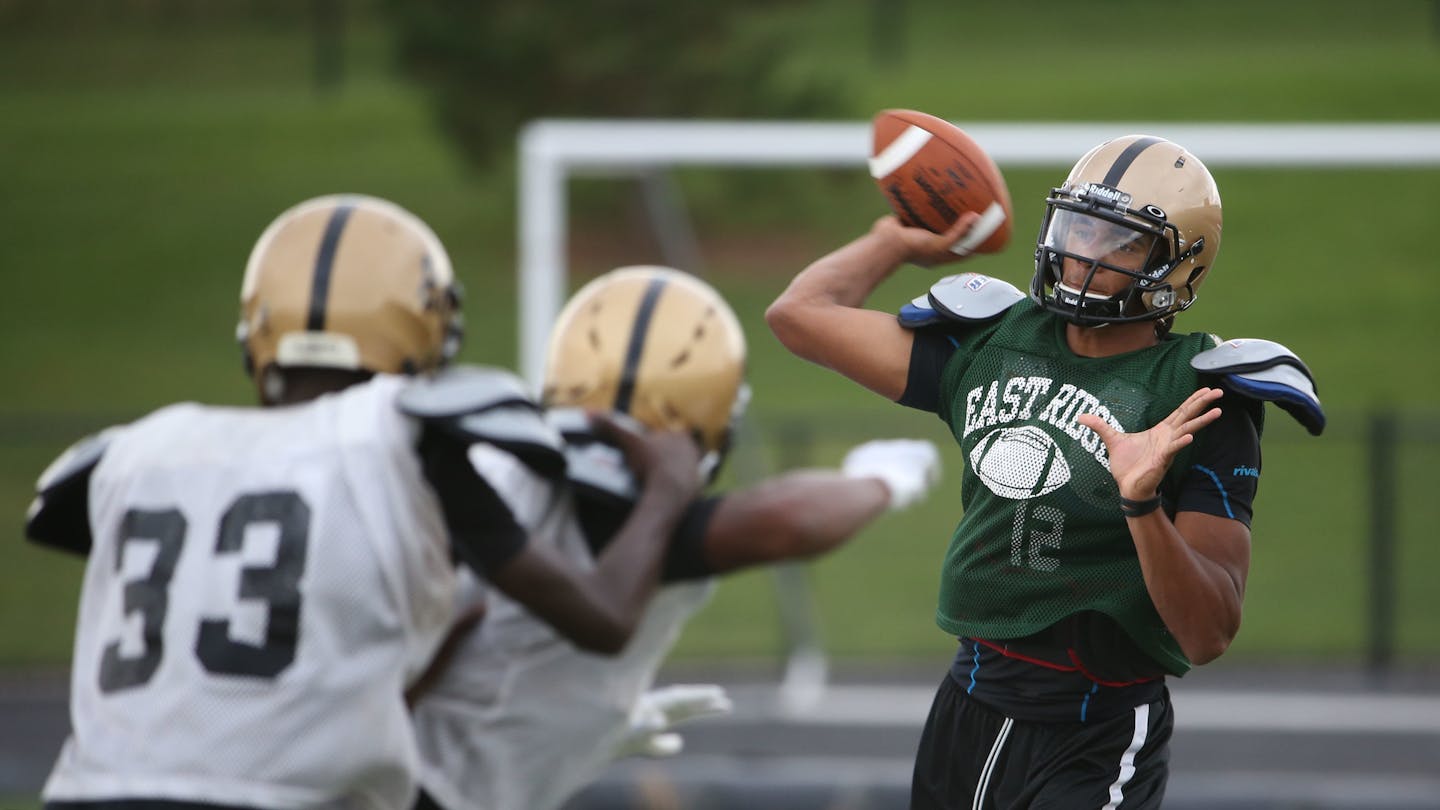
[(348, 282), (1138, 205), (654, 343)]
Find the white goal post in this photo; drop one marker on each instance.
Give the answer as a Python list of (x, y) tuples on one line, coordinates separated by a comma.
[(554, 150)]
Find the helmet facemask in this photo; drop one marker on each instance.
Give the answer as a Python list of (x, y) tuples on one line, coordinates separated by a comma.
[(1135, 243)]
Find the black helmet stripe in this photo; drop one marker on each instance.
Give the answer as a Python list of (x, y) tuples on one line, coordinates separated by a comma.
[(324, 264), (1122, 163), (626, 390)]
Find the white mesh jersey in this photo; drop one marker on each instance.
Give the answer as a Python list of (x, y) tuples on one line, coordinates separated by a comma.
[(521, 719), (262, 585)]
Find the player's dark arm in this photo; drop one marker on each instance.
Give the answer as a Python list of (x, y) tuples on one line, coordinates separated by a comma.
[(1195, 569), (792, 516), (597, 610), (1194, 566), (820, 318)]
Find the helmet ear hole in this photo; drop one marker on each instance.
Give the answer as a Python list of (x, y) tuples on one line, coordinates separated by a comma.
[(272, 384)]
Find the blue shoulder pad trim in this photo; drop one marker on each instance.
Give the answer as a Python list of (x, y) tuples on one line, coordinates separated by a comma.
[(966, 298), (1266, 371), (488, 405), (592, 466)]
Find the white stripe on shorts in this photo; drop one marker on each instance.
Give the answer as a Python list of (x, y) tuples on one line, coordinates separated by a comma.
[(1127, 759), (990, 763)]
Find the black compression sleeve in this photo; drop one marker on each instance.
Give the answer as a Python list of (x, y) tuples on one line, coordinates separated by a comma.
[(928, 356), (1224, 470), (483, 531), (601, 519), (685, 559)]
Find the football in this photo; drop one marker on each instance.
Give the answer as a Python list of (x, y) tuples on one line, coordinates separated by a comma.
[(1020, 462), (931, 172)]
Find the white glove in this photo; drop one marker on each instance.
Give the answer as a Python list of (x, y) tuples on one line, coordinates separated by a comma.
[(907, 467), (656, 711)]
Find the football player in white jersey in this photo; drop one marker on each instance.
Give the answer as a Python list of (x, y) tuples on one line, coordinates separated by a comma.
[(263, 583), (514, 717)]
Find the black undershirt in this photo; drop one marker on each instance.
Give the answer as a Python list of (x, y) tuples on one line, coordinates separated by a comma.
[(600, 519)]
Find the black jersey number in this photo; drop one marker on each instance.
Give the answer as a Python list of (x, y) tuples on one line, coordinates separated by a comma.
[(150, 596), (277, 585)]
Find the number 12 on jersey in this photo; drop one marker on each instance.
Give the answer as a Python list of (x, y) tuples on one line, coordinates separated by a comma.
[(1037, 527)]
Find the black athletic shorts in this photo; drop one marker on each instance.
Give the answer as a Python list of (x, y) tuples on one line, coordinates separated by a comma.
[(971, 757)]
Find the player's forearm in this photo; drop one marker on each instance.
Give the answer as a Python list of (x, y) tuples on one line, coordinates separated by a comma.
[(1199, 601), (628, 570), (820, 316), (846, 276), (827, 507), (800, 514)]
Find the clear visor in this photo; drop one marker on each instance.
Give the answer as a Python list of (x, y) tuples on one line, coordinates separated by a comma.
[(1092, 239)]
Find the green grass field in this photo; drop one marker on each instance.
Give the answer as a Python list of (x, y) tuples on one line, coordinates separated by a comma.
[(140, 162)]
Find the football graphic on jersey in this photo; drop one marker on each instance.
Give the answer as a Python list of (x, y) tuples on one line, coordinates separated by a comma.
[(1020, 462)]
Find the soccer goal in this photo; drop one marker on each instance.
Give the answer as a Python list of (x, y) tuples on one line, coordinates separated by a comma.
[(553, 151)]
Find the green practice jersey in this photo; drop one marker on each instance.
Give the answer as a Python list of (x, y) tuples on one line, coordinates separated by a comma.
[(1042, 536)]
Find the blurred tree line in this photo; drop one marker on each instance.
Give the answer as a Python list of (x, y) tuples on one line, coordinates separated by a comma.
[(492, 65), (489, 66)]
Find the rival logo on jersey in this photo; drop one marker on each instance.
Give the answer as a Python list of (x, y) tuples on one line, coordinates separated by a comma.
[(1020, 463)]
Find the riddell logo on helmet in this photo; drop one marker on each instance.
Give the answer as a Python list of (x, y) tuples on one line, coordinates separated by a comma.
[(1105, 194)]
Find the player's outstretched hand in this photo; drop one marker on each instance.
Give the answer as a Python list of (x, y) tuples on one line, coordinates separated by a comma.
[(663, 459), (1139, 460), (907, 467), (658, 711), (923, 247)]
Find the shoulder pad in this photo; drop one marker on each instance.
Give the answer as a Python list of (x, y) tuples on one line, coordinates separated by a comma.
[(1266, 371), (461, 390), (593, 467), (966, 298), (76, 462), (488, 405), (60, 514), (519, 430)]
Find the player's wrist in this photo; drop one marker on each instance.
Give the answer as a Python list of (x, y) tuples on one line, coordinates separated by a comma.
[(1139, 507)]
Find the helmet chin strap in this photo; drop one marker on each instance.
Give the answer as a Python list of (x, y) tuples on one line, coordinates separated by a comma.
[(1060, 285), (1097, 301)]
